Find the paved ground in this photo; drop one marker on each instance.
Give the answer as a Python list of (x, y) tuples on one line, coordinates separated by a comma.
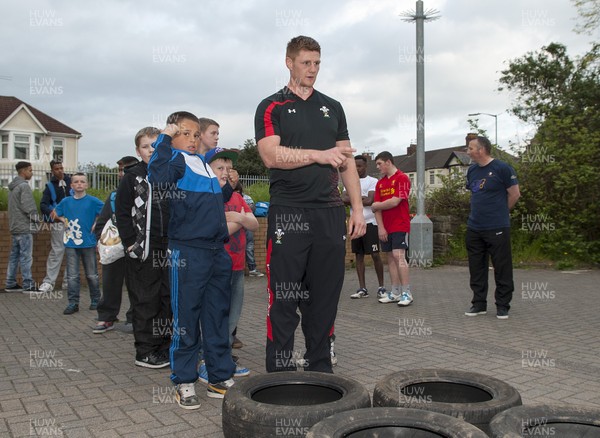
[(59, 379)]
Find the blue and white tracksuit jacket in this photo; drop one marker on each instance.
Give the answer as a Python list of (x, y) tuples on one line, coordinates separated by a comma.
[(200, 268)]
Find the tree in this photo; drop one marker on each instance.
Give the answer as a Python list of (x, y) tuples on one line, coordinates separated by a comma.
[(589, 11), (249, 161), (559, 170)]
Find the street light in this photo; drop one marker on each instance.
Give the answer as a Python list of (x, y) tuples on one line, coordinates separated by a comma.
[(495, 116)]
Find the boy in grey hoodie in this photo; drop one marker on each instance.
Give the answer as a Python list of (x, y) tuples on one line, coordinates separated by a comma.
[(23, 218)]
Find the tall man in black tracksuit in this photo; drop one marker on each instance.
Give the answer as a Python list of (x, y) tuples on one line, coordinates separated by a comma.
[(303, 139)]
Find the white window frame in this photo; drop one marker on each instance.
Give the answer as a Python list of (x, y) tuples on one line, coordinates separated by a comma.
[(37, 147), (28, 149), (432, 177), (4, 145), (33, 150), (55, 148)]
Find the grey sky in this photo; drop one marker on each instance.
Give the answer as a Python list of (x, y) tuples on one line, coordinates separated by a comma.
[(108, 68)]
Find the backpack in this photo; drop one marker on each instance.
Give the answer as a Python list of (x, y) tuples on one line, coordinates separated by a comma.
[(113, 196), (52, 194), (262, 209), (52, 191)]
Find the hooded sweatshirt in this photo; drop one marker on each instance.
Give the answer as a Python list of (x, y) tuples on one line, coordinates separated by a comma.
[(22, 211)]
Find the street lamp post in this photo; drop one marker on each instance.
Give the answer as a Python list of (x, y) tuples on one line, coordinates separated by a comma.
[(495, 116), (421, 227)]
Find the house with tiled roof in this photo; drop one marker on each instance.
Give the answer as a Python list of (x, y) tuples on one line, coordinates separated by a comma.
[(438, 163), (28, 134)]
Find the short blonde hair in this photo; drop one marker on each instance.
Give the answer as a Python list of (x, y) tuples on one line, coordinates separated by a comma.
[(149, 131)]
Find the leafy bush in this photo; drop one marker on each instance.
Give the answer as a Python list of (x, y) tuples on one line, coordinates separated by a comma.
[(37, 197), (3, 199), (258, 192), (452, 199)]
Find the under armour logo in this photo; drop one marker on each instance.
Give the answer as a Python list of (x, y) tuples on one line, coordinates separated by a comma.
[(291, 111)]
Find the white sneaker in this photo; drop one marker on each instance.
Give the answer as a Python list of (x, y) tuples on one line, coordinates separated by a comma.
[(46, 287), (389, 298), (255, 273), (405, 299), (361, 293), (186, 396)]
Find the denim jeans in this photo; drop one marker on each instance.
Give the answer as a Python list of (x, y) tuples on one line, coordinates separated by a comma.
[(250, 250), (21, 253), (237, 299), (88, 257)]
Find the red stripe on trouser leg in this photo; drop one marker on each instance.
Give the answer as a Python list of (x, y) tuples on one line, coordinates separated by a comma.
[(269, 291)]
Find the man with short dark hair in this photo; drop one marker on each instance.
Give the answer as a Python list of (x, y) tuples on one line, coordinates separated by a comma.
[(494, 191), (22, 221), (55, 191), (302, 137), (393, 226)]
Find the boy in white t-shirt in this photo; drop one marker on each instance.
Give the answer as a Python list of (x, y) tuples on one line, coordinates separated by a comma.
[(369, 243)]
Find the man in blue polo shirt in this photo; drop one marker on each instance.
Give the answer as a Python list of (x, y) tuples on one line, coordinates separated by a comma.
[(494, 191)]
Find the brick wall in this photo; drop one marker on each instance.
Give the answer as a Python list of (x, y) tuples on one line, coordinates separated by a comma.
[(41, 248)]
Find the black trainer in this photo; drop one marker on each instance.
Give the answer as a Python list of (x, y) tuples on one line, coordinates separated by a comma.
[(71, 308), (15, 288), (154, 359), (502, 314), (474, 311)]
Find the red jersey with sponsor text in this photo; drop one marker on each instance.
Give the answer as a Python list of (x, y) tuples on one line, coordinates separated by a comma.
[(395, 219)]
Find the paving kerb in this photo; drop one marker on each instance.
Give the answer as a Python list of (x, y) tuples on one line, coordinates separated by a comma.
[(57, 377)]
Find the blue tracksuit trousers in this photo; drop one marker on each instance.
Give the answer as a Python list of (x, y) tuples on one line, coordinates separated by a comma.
[(200, 291)]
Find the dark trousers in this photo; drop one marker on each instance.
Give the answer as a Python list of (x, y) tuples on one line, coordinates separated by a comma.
[(113, 277), (148, 283), (305, 269), (481, 245), (200, 291)]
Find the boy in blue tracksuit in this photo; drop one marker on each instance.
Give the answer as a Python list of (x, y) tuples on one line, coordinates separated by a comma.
[(199, 265)]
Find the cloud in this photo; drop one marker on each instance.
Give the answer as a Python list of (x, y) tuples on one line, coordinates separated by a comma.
[(123, 65)]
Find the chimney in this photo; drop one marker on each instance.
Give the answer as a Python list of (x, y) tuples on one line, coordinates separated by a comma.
[(412, 149), (470, 136)]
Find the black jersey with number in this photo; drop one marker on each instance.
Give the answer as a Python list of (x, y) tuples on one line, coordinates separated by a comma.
[(315, 123)]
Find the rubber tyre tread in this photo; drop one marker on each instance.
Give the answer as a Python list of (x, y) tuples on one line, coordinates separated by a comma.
[(504, 396), (509, 423), (344, 423), (243, 417)]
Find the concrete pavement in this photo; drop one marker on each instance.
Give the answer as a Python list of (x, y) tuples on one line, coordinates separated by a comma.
[(57, 378)]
